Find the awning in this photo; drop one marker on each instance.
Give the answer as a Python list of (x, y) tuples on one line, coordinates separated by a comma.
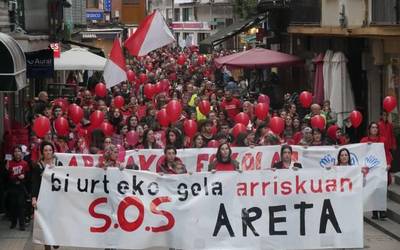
[(232, 30), (13, 65), (79, 59)]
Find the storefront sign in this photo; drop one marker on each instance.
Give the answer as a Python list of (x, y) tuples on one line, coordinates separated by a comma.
[(190, 26), (39, 64), (94, 15)]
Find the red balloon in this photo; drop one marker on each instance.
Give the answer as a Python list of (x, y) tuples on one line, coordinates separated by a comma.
[(261, 110), (107, 128), (100, 90), (75, 113), (263, 99), (181, 59), (213, 144), (149, 90), (119, 102), (331, 131), (172, 76), (204, 107), (277, 125), (132, 137), (162, 117), (41, 126), (201, 59), (174, 110), (356, 118), (238, 128), (143, 78), (61, 125), (158, 88), (190, 127), (96, 118), (317, 121), (242, 118), (389, 103), (121, 153), (131, 75), (165, 85), (61, 102), (306, 99)]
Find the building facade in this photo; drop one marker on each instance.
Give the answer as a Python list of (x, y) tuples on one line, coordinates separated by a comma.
[(194, 20)]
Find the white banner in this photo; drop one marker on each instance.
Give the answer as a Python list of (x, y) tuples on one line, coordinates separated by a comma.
[(263, 157), (283, 209)]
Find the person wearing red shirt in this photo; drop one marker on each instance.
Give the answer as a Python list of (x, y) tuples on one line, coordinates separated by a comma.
[(386, 131), (223, 160), (231, 105), (375, 137), (17, 170)]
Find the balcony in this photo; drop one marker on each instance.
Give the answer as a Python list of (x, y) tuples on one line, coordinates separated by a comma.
[(385, 12), (305, 12)]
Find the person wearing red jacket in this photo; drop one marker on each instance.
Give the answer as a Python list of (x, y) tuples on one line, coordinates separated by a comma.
[(386, 131), (17, 170), (375, 137), (223, 160)]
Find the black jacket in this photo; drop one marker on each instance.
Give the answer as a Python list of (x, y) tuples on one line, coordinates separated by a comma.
[(37, 172)]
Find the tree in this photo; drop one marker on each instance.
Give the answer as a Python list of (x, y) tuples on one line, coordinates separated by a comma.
[(245, 8)]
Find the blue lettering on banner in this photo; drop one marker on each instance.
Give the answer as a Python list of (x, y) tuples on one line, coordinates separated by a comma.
[(94, 15)]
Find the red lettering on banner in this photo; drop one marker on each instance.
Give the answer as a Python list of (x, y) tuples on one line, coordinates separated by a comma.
[(212, 158), (235, 156), (258, 160), (123, 222), (200, 159), (295, 156), (248, 162), (275, 159), (73, 162), (145, 164), (94, 214), (286, 188), (131, 161), (170, 218), (87, 161)]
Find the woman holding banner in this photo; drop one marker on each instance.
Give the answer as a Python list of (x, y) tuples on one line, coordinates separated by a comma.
[(110, 158), (223, 160), (374, 137), (343, 158), (48, 160)]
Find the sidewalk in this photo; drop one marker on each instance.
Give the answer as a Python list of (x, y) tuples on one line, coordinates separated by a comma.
[(17, 240)]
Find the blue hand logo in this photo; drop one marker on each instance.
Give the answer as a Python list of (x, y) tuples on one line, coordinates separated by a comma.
[(327, 161), (372, 162)]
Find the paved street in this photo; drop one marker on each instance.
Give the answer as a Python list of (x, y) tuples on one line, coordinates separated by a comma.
[(17, 240)]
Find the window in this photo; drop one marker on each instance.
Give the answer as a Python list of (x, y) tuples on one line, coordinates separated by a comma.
[(187, 14), (202, 36), (169, 14), (92, 4), (177, 16)]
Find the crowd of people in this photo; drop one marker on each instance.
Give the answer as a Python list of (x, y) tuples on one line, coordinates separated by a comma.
[(190, 79)]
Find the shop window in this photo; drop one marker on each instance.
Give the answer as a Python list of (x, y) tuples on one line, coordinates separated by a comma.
[(92, 4), (187, 14)]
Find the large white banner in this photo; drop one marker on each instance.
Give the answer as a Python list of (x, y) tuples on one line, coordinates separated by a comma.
[(371, 156), (283, 209)]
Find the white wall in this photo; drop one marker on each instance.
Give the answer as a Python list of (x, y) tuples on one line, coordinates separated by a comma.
[(354, 11)]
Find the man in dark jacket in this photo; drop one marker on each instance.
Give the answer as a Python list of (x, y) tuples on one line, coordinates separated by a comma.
[(286, 159)]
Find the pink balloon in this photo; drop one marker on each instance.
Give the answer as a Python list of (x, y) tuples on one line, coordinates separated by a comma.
[(263, 99), (317, 121), (190, 127), (100, 90), (61, 125), (389, 103), (174, 110), (356, 118), (238, 128), (261, 110), (162, 117), (242, 118), (132, 137), (119, 102), (305, 99), (75, 113), (96, 118)]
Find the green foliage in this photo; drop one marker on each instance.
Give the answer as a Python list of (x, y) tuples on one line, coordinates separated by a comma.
[(245, 8)]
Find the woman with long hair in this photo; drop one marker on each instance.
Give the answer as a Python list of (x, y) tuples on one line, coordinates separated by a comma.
[(343, 157), (198, 141), (174, 138), (48, 160), (223, 160), (110, 158), (149, 140)]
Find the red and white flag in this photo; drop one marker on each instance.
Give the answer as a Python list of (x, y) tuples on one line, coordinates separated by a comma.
[(115, 69), (152, 33)]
